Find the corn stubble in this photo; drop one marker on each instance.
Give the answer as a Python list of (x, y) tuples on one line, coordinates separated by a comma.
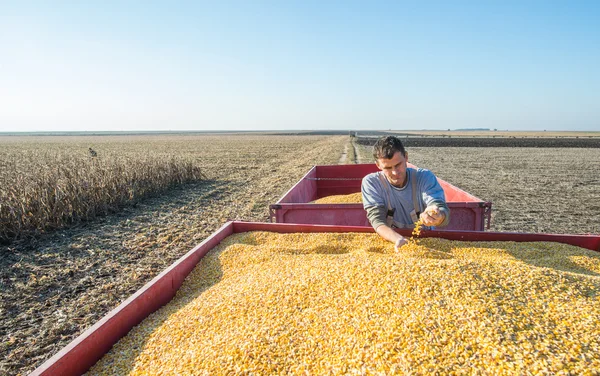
[(43, 189), (266, 303)]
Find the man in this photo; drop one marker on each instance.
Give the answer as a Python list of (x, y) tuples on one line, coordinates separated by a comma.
[(397, 196)]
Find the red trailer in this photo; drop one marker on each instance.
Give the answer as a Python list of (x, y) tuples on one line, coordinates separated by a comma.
[(81, 354), (467, 211)]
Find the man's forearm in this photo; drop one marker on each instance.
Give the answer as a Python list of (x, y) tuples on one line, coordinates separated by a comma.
[(388, 233)]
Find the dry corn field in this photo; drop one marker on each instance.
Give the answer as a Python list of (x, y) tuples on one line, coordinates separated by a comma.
[(54, 286), (45, 187), (266, 303)]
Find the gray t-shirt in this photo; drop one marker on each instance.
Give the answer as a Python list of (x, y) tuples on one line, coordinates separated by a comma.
[(429, 192)]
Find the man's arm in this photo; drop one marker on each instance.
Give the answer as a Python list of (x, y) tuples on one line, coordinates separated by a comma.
[(374, 204), (377, 216), (390, 235), (437, 212)]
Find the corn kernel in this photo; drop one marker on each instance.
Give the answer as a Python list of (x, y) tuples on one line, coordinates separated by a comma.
[(267, 303), (353, 198)]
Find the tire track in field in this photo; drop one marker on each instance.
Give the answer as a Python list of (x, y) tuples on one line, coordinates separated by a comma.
[(281, 177)]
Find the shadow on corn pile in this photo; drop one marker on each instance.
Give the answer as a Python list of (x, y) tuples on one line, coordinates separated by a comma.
[(557, 256)]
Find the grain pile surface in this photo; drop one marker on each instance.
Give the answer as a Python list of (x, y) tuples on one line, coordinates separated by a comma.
[(352, 198), (266, 303)]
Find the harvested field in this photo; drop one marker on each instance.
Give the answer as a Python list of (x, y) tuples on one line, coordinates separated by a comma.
[(545, 190), (480, 141), (56, 286), (501, 133)]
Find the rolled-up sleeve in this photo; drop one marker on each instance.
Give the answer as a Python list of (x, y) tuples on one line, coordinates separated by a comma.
[(376, 216)]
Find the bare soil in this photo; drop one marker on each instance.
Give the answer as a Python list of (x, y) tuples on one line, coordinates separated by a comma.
[(540, 190), (411, 141)]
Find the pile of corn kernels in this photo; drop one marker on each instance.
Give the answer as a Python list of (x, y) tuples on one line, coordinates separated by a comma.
[(267, 303), (353, 198)]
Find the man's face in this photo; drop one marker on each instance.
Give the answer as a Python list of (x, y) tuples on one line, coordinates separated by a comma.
[(394, 169)]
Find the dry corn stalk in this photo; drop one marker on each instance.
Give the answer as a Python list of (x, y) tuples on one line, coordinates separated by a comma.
[(47, 189), (265, 303)]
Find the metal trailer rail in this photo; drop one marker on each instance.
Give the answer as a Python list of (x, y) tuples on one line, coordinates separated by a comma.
[(83, 352), (467, 211)]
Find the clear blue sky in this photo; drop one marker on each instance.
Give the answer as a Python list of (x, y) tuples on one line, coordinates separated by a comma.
[(274, 65)]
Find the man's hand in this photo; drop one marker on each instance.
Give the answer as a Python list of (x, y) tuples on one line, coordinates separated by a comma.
[(391, 236), (399, 243), (432, 216)]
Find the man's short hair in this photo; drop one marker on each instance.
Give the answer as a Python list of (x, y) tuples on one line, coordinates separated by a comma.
[(387, 146)]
